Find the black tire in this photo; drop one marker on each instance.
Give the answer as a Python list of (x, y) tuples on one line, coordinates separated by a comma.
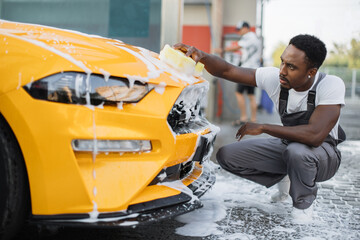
[(14, 187)]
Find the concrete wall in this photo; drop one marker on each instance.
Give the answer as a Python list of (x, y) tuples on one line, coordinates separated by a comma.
[(235, 10), (171, 22), (134, 22), (195, 15)]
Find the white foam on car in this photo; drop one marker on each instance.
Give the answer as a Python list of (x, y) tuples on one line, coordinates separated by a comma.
[(155, 68), (94, 218), (94, 214), (214, 130), (120, 105), (81, 65), (180, 186), (159, 88), (168, 69), (53, 50), (68, 57), (19, 85), (153, 72), (59, 29), (106, 74)]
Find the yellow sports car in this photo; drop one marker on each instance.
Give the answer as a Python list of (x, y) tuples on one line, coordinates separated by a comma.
[(94, 131)]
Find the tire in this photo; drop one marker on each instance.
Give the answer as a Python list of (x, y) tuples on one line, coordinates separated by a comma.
[(14, 187)]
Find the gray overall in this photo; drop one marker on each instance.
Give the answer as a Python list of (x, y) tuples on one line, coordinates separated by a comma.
[(267, 160)]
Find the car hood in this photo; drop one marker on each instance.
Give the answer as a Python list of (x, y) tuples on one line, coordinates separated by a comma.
[(30, 52)]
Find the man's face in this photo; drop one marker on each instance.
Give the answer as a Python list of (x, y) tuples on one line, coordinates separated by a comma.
[(294, 70), (241, 31)]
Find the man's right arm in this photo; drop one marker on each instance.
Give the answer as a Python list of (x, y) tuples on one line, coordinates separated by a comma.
[(218, 67)]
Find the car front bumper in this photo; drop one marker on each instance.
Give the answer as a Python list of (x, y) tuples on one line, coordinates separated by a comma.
[(141, 213), (66, 183)]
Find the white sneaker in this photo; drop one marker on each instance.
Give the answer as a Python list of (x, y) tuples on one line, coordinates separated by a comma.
[(283, 193), (279, 197), (302, 216)]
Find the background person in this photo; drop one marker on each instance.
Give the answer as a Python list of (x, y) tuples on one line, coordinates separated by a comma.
[(250, 46)]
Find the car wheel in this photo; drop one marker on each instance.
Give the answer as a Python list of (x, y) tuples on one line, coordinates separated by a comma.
[(14, 190)]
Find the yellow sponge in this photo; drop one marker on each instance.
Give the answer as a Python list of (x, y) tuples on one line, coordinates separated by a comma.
[(178, 60), (199, 67)]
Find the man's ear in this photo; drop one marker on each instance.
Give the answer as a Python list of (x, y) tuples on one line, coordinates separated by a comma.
[(312, 72)]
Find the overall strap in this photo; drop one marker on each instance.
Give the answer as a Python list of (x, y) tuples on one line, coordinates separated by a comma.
[(284, 94), (283, 99), (312, 93)]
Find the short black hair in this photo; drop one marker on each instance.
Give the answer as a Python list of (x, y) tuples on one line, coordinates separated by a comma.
[(314, 48), (242, 24), (246, 25)]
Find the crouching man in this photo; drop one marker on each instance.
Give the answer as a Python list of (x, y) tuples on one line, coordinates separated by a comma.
[(304, 150)]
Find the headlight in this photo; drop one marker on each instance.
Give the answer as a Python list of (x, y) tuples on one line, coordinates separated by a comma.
[(79, 88)]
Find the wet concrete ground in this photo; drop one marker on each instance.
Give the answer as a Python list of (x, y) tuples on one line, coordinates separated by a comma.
[(249, 215)]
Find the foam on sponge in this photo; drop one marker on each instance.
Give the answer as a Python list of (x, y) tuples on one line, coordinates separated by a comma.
[(178, 60)]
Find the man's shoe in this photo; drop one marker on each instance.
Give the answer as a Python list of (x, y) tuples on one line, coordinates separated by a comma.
[(283, 193), (279, 197), (302, 216)]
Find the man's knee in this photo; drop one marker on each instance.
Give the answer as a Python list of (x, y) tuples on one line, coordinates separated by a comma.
[(225, 158), (221, 156), (299, 155)]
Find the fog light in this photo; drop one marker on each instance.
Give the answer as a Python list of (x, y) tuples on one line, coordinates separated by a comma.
[(111, 145)]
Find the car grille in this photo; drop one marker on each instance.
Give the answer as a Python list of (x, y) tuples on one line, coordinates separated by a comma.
[(174, 173), (187, 114)]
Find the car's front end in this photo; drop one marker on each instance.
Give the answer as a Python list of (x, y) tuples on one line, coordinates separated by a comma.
[(110, 135)]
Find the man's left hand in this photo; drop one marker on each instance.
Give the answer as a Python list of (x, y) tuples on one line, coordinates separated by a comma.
[(249, 128)]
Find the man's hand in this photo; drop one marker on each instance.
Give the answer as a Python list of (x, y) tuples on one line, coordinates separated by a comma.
[(322, 120), (232, 48), (218, 50), (218, 67), (249, 128), (190, 51)]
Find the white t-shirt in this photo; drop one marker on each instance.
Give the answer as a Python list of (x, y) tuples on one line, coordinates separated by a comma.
[(251, 50), (330, 91)]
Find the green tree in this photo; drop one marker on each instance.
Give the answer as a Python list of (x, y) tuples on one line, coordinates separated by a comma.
[(345, 55), (337, 57), (354, 54)]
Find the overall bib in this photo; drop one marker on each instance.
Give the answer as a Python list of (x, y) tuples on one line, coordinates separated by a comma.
[(302, 117)]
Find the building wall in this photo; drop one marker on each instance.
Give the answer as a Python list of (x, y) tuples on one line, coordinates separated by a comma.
[(196, 30), (197, 20), (134, 22), (236, 10), (171, 23), (195, 15)]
